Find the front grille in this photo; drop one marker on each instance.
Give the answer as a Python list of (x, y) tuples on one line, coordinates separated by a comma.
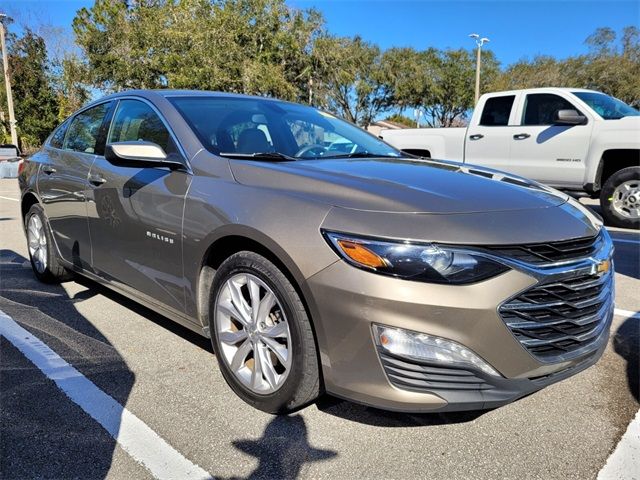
[(410, 375), (554, 320), (540, 253)]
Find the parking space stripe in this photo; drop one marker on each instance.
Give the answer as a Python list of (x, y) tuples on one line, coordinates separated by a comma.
[(133, 435), (9, 198), (626, 313), (625, 240), (624, 462)]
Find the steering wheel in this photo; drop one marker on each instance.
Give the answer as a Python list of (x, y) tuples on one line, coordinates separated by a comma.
[(310, 148)]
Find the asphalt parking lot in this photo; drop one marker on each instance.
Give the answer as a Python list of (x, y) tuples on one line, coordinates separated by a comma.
[(167, 378)]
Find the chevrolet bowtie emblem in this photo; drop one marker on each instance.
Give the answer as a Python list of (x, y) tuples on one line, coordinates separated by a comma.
[(602, 267)]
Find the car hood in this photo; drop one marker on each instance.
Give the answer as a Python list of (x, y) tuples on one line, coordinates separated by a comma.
[(399, 185)]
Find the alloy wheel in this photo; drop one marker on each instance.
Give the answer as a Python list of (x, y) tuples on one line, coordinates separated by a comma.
[(253, 333), (37, 241), (626, 199)]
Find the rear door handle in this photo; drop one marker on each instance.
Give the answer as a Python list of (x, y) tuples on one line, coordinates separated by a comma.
[(48, 169), (521, 136), (96, 179), (476, 136)]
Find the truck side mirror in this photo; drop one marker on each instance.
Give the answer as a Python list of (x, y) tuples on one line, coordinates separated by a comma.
[(569, 117)]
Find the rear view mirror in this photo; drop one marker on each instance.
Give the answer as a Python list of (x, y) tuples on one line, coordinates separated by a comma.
[(569, 117), (138, 155)]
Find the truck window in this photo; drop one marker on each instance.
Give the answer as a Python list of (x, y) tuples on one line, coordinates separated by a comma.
[(497, 111), (541, 108)]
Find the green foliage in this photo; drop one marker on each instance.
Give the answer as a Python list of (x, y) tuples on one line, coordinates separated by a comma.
[(35, 101), (401, 119), (611, 67)]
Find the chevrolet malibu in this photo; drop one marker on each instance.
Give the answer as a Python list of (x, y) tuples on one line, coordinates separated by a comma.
[(316, 257)]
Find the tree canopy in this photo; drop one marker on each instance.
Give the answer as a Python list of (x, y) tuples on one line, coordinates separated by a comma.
[(265, 47)]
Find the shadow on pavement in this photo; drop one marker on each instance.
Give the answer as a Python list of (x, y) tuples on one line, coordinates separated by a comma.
[(44, 434), (382, 418), (626, 343), (283, 449)]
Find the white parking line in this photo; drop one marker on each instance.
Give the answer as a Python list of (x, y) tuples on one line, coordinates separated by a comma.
[(133, 435), (626, 313), (625, 240), (624, 462), (9, 198)]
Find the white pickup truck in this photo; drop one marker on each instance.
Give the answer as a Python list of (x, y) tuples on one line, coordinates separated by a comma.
[(569, 138)]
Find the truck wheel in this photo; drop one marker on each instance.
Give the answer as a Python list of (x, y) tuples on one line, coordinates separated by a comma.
[(620, 198), (42, 252), (262, 335)]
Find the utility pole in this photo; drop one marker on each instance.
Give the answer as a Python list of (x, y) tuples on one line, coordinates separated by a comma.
[(479, 43), (7, 82)]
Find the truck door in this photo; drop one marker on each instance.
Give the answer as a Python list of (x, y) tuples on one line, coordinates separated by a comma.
[(550, 153), (488, 140)]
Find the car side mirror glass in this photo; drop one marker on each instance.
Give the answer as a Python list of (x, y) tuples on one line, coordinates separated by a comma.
[(139, 154), (569, 117)]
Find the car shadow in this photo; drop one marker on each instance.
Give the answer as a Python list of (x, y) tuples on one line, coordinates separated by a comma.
[(626, 343), (45, 434), (354, 412)]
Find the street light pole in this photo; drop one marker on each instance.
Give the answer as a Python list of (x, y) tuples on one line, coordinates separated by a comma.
[(479, 42), (7, 82)]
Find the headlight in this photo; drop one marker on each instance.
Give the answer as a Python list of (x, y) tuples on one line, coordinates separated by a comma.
[(422, 262)]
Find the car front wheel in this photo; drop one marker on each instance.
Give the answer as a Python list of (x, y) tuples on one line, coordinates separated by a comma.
[(262, 335)]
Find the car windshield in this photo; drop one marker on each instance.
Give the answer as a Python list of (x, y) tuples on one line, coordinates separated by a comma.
[(607, 107), (240, 127)]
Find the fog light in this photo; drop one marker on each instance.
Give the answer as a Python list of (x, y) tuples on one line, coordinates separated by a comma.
[(426, 348)]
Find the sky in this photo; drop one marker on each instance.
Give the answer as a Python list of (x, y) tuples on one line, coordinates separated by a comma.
[(516, 29)]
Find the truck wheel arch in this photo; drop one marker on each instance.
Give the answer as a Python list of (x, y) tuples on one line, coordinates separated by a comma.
[(613, 160)]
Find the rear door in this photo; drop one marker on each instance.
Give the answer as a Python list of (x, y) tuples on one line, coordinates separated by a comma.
[(63, 182), (550, 153), (488, 142), (135, 214)]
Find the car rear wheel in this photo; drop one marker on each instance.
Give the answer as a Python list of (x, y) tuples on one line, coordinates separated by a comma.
[(620, 198), (262, 335), (42, 254)]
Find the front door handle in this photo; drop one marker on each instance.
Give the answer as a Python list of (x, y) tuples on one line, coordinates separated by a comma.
[(476, 136), (96, 179), (48, 169), (521, 136)]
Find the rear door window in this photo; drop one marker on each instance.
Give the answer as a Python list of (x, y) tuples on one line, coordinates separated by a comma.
[(497, 111), (542, 108), (84, 130)]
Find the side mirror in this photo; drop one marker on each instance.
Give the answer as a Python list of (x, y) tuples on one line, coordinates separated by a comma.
[(138, 155), (570, 117)]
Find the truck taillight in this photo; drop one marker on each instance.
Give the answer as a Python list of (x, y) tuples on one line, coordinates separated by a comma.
[(21, 166)]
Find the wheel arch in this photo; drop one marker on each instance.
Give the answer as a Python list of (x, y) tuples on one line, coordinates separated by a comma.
[(613, 160), (28, 200)]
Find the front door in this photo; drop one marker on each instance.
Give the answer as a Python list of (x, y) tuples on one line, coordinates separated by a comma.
[(546, 152), (135, 214)]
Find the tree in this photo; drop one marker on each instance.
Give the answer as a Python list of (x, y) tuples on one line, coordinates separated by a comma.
[(35, 102), (248, 46), (351, 78)]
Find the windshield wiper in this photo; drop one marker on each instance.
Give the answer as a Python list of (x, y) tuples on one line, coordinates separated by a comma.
[(359, 155), (271, 156)]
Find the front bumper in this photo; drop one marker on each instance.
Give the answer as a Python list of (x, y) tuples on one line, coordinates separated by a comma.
[(349, 301)]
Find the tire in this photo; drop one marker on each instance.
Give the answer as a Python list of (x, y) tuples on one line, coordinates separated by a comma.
[(616, 201), (300, 380), (42, 253)]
